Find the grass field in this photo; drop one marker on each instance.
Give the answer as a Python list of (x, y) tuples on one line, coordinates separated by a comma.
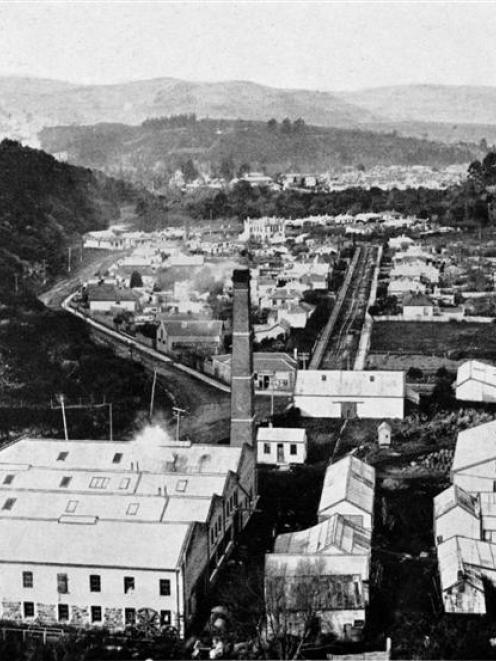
[(457, 340)]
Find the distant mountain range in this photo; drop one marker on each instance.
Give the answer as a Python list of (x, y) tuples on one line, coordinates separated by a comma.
[(449, 112)]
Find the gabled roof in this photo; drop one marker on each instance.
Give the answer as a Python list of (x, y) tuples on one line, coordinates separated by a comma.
[(417, 300), (452, 497), (105, 292), (349, 479), (334, 535), (464, 556), (475, 446), (350, 383), (284, 434)]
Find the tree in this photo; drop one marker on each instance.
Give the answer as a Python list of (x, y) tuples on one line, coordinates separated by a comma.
[(189, 171), (299, 125), (286, 125), (244, 168), (136, 280), (272, 124), (227, 168)]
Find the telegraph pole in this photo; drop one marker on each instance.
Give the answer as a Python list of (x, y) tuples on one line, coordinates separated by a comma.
[(64, 420), (177, 414), (111, 425), (152, 395), (69, 251)]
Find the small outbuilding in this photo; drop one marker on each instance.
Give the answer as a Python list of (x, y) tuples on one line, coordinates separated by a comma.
[(281, 445)]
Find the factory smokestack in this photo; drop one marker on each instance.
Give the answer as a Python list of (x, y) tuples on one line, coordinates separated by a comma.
[(242, 413)]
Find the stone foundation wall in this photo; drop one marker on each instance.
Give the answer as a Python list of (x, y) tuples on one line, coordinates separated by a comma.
[(113, 618), (46, 613), (80, 615), (11, 610)]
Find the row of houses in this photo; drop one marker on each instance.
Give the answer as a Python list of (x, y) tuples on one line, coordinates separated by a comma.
[(465, 523), (323, 572)]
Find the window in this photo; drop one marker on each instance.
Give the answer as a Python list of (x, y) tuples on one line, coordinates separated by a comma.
[(129, 616), (96, 613), (124, 483), (65, 481), (132, 509), (95, 583), (63, 612), (8, 479), (27, 579), (71, 506), (117, 458), (439, 539), (164, 587), (181, 485), (9, 503), (62, 456), (28, 608), (494, 488), (99, 482), (323, 377), (165, 617), (292, 448), (372, 379), (128, 583), (62, 584), (266, 448)]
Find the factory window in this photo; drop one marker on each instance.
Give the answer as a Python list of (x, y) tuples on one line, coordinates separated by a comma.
[(324, 377), (266, 448), (117, 458), (128, 584), (96, 613), (9, 503), (28, 608), (62, 456), (129, 617), (132, 508), (27, 579), (63, 612), (95, 583), (292, 448), (372, 379), (65, 481), (71, 506), (8, 479), (62, 584), (165, 617), (99, 482), (124, 483), (164, 587), (181, 485)]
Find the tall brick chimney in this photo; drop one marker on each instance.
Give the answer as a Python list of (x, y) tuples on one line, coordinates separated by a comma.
[(242, 411)]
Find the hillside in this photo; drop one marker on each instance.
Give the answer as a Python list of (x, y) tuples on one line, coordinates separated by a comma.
[(451, 104), (27, 105), (150, 153), (44, 206)]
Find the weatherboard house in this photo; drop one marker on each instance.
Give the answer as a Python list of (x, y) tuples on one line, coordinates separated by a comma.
[(350, 393)]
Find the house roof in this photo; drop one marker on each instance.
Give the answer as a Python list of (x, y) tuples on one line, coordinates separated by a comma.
[(469, 556), (264, 361), (350, 383), (478, 371), (349, 479), (284, 434), (200, 328), (336, 534), (417, 300), (93, 542), (475, 446), (106, 292), (454, 496)]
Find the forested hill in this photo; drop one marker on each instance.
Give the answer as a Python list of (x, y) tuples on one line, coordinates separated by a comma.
[(44, 206), (150, 153)]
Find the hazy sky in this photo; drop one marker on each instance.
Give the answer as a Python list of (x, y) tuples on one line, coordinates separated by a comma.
[(315, 45)]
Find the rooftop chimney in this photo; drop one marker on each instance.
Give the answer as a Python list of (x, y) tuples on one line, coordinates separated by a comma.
[(242, 413)]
